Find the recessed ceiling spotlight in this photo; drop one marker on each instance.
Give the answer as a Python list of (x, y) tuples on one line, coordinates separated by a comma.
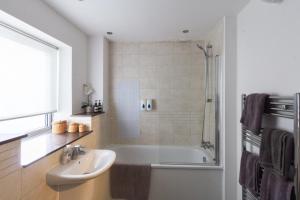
[(273, 1), (185, 31), (109, 33), (80, 0)]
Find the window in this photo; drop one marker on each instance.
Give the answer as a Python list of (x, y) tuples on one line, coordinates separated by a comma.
[(29, 81)]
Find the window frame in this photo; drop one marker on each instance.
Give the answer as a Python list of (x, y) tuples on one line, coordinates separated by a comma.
[(48, 125), (48, 119)]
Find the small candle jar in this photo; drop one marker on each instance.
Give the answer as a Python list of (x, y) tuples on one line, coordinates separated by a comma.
[(82, 128), (59, 127), (73, 128)]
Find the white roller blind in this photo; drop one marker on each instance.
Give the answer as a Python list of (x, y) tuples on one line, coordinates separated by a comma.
[(28, 76)]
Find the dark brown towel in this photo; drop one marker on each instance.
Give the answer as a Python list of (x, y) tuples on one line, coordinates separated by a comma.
[(243, 167), (277, 151), (277, 141), (253, 112), (131, 182), (287, 164), (275, 187), (265, 152), (250, 172)]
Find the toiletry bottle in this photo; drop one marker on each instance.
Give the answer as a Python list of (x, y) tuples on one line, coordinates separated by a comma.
[(96, 109), (100, 106)]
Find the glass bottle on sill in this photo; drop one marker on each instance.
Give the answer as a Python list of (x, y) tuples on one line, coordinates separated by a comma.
[(96, 108), (100, 106)]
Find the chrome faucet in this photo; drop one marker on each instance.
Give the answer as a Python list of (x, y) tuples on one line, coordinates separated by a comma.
[(71, 153), (77, 150)]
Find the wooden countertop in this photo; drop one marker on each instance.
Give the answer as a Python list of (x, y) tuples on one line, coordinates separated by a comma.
[(6, 138), (89, 114), (37, 147)]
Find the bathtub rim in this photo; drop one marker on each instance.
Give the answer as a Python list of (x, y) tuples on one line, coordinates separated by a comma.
[(204, 166)]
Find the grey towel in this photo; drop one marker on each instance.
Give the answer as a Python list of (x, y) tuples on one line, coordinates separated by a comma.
[(250, 172), (265, 152), (275, 187), (243, 167), (131, 182), (253, 112), (277, 151), (287, 162)]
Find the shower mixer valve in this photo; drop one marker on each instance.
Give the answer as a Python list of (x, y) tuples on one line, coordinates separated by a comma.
[(207, 145)]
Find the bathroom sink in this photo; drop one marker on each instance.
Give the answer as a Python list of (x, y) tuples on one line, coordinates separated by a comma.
[(85, 167)]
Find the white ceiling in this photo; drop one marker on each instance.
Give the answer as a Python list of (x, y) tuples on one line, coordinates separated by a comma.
[(146, 20)]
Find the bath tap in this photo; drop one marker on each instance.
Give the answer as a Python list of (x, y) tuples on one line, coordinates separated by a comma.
[(204, 144), (207, 145), (210, 146)]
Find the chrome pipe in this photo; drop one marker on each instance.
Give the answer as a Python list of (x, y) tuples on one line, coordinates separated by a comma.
[(251, 138), (281, 115), (297, 144), (281, 103), (281, 109), (217, 108), (281, 97), (243, 100)]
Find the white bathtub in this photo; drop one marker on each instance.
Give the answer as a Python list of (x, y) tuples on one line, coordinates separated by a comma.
[(178, 172)]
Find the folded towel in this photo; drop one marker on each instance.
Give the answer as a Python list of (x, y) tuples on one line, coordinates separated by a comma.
[(243, 167), (265, 152), (250, 172), (275, 187), (253, 112), (277, 151), (131, 182), (288, 169)]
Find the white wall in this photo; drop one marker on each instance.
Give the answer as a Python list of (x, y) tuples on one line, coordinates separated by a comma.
[(39, 15), (229, 112), (98, 59), (268, 50), (95, 67)]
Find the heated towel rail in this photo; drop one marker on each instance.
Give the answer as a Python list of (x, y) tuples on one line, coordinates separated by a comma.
[(277, 106)]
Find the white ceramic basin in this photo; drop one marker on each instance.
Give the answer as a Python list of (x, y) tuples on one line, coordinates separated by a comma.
[(85, 167)]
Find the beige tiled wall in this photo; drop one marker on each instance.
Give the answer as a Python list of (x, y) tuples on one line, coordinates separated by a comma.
[(171, 73)]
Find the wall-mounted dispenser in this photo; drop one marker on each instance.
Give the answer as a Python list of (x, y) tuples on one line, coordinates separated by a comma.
[(149, 104), (143, 105)]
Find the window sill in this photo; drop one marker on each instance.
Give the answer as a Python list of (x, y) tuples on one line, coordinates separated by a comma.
[(88, 114), (37, 147), (6, 138)]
